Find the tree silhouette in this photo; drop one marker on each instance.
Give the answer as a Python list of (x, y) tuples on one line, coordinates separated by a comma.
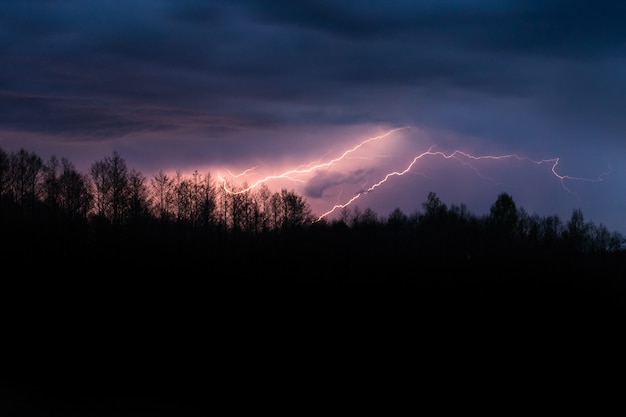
[(295, 210), (577, 232), (114, 211), (111, 181), (26, 167), (503, 215)]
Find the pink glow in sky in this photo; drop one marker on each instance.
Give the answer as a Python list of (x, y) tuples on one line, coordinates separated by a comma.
[(353, 176)]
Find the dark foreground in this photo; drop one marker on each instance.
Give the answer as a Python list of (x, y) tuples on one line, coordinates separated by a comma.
[(293, 346)]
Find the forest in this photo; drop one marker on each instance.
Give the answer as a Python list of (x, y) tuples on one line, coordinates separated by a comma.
[(157, 290), (114, 219), (112, 232)]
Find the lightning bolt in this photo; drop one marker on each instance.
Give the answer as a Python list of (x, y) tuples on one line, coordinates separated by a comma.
[(306, 168), (240, 174), (457, 154), (461, 156)]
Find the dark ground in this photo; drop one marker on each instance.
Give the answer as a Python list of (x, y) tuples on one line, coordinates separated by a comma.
[(169, 347)]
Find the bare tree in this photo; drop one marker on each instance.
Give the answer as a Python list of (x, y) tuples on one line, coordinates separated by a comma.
[(603, 240), (162, 195), (239, 203), (75, 198), (434, 208), (203, 200), (120, 190), (276, 214), (111, 188), (139, 198), (264, 206), (551, 231), (26, 169), (182, 198), (577, 232), (296, 211), (50, 184), (101, 186)]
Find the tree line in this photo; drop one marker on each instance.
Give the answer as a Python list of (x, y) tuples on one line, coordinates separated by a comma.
[(54, 215)]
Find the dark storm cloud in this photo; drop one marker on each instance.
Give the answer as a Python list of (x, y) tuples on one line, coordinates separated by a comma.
[(322, 181), (535, 25), (307, 62), (52, 115)]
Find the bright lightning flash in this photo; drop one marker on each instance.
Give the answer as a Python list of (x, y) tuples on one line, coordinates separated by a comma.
[(464, 157), (302, 169)]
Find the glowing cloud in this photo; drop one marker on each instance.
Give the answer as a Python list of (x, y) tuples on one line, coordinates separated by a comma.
[(306, 168)]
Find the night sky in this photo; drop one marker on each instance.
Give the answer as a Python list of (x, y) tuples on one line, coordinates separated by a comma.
[(220, 87)]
